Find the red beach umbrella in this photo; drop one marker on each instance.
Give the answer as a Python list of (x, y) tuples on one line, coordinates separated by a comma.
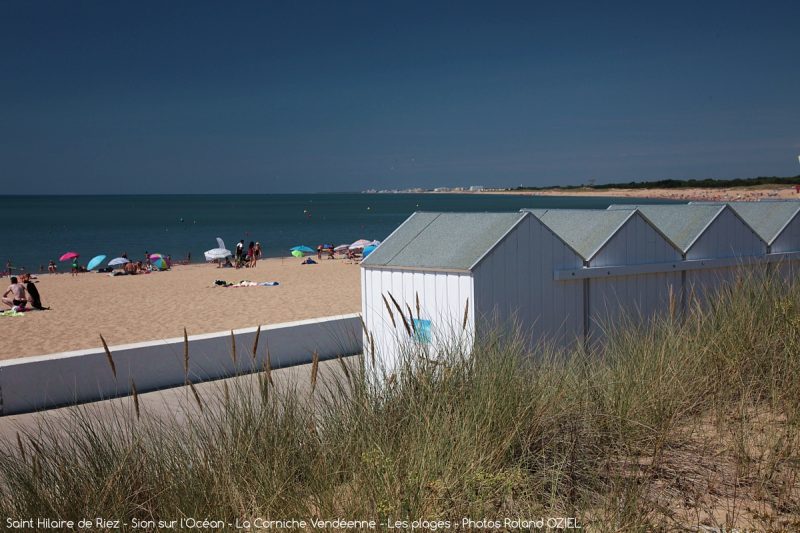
[(69, 255)]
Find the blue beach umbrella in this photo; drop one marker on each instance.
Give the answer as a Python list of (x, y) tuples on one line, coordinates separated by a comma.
[(95, 262), (303, 249), (368, 250)]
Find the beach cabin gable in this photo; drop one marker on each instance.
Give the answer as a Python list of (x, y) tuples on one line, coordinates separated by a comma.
[(727, 235), (514, 285), (777, 223), (703, 233), (788, 240), (638, 296), (619, 248)]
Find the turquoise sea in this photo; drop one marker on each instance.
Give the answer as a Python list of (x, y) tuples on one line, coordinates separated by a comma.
[(35, 229)]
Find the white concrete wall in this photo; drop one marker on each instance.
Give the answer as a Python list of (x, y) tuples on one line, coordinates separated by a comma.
[(42, 382), (642, 295), (443, 297), (514, 284)]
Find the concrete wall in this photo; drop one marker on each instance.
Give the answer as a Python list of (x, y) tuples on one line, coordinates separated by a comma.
[(42, 382)]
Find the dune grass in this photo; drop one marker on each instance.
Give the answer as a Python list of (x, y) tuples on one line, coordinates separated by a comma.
[(675, 425)]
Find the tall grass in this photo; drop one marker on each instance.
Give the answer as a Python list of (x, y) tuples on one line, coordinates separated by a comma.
[(681, 423)]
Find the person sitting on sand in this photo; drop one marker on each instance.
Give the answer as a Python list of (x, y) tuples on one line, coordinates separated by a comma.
[(130, 268), (17, 292), (33, 293)]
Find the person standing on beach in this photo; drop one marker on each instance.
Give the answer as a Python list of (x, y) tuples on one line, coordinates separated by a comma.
[(256, 253), (17, 292), (239, 253), (75, 266), (251, 252)]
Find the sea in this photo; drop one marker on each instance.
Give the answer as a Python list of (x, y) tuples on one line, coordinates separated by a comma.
[(37, 229)]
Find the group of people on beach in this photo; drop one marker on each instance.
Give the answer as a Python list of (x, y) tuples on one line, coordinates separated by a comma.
[(21, 293), (248, 258)]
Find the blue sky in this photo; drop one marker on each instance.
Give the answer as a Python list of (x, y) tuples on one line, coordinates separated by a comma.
[(135, 97)]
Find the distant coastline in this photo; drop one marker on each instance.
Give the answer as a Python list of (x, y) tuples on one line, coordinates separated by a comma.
[(751, 189)]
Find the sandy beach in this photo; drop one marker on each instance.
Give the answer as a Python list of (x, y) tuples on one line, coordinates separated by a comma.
[(727, 194), (159, 305)]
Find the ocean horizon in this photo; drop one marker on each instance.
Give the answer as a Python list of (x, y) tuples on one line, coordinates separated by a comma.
[(37, 229)]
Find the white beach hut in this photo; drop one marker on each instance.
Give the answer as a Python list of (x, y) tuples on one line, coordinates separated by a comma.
[(628, 264), (559, 275), (713, 239), (453, 273), (777, 223)]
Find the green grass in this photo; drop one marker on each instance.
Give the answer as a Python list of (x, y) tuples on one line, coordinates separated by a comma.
[(681, 423)]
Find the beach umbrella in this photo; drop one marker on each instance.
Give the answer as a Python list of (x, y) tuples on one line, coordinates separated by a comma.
[(69, 255), (341, 248), (297, 253), (220, 252), (118, 261), (158, 263), (360, 243), (95, 262), (368, 250), (303, 249), (154, 257), (217, 253)]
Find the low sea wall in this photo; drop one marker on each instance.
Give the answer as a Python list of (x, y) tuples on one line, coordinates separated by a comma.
[(47, 381)]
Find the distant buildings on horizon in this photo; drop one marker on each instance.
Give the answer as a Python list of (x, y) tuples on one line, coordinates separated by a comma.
[(471, 188)]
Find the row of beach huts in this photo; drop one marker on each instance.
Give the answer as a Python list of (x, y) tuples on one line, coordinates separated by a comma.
[(562, 274)]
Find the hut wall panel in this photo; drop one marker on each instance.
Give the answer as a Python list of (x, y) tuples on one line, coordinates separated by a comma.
[(789, 241), (637, 297), (442, 298), (727, 236), (514, 286)]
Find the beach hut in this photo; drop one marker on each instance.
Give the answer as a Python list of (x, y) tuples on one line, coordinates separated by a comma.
[(454, 273), (712, 238), (629, 266), (558, 275), (777, 223)]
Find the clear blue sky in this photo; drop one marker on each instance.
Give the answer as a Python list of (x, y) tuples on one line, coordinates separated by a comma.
[(293, 96)]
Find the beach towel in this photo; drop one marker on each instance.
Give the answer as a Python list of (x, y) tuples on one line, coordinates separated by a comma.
[(245, 283), (11, 312)]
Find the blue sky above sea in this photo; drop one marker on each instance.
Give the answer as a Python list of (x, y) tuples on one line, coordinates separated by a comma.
[(276, 97)]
